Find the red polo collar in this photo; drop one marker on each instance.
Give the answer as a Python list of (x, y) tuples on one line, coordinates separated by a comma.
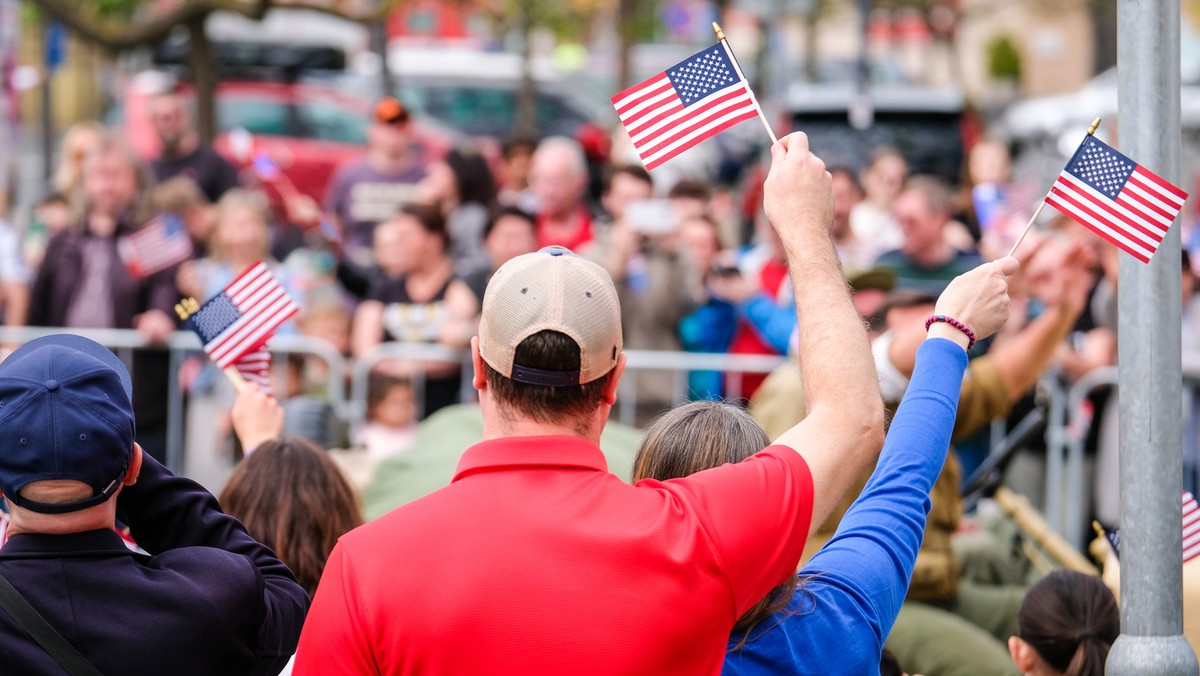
[(516, 452)]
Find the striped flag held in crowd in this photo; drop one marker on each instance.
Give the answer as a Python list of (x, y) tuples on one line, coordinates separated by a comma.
[(162, 243), (1191, 527), (255, 368), (1191, 530), (1116, 198), (242, 318), (687, 103)]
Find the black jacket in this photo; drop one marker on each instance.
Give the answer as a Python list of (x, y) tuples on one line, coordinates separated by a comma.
[(211, 600)]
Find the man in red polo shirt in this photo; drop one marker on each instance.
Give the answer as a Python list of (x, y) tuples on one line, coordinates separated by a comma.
[(536, 560)]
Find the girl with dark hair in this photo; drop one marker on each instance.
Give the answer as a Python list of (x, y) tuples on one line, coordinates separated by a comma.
[(293, 498), (1066, 625), (462, 186), (833, 617)]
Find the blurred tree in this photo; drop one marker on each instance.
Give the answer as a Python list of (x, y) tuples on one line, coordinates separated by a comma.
[(565, 19), (120, 25)]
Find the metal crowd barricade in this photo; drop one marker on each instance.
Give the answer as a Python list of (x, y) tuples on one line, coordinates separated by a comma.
[(179, 345), (1066, 435)]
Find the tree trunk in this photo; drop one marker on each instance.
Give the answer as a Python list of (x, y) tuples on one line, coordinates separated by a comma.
[(204, 79), (526, 122), (379, 42), (626, 24)]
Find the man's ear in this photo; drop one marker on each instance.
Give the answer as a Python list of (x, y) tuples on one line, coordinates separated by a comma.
[(614, 380), (479, 381), (135, 465)]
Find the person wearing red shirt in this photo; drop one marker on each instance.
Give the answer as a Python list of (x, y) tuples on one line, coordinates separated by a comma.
[(535, 559), (558, 179)]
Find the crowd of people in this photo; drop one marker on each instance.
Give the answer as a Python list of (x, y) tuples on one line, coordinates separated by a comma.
[(543, 265)]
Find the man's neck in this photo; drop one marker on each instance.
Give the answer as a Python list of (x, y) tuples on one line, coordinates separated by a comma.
[(185, 147), (385, 163), (503, 426), (933, 256)]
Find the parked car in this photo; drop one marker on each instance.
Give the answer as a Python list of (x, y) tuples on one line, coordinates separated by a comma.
[(307, 129)]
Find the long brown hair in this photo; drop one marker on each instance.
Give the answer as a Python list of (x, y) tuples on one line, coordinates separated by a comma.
[(698, 436), (293, 498), (1071, 620)]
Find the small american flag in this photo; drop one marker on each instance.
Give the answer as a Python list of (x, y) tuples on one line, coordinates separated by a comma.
[(1116, 198), (1191, 527), (255, 367), (162, 243), (684, 105), (243, 317), (1191, 530), (265, 168)]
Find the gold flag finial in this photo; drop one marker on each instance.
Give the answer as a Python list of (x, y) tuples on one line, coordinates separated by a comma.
[(1095, 125), (720, 33), (186, 308)]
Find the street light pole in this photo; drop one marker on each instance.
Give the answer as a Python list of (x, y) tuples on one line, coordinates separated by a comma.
[(1150, 386)]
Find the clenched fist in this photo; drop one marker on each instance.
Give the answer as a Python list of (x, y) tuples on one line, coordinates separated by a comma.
[(798, 193), (979, 298)]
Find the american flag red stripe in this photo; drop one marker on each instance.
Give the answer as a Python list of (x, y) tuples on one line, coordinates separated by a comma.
[(1191, 527), (264, 306), (255, 367), (1116, 198), (680, 107)]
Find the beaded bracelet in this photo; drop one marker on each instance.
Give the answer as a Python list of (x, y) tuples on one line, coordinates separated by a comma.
[(956, 324)]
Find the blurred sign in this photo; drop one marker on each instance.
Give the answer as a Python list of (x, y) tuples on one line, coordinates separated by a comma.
[(56, 45)]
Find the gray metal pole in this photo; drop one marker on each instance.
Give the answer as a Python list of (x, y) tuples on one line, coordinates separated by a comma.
[(1151, 390)]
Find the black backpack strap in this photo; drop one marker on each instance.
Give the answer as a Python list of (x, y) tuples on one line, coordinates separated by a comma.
[(40, 630)]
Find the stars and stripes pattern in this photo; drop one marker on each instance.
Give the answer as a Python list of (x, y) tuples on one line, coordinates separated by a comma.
[(1116, 198), (255, 368), (680, 107), (1191, 527), (243, 317), (161, 244)]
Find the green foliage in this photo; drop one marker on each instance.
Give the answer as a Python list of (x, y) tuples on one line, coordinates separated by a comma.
[(116, 9), (1003, 58)]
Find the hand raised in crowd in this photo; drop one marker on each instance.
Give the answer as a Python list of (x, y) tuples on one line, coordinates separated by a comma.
[(1065, 275), (154, 325), (798, 193), (978, 298), (257, 417)]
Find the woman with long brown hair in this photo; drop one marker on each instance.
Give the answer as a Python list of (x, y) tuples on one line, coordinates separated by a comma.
[(293, 498), (833, 617)]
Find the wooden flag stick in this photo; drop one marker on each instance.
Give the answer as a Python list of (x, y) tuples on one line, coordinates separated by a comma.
[(738, 69), (1028, 227), (1091, 131), (235, 377)]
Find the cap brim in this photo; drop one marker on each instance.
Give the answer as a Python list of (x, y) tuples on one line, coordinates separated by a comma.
[(79, 344)]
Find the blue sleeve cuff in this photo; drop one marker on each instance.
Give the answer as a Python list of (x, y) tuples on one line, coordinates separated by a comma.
[(947, 378)]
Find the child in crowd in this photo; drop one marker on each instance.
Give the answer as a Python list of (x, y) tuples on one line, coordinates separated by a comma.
[(391, 417)]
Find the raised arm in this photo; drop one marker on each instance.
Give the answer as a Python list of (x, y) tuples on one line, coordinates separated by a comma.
[(872, 554), (844, 428)]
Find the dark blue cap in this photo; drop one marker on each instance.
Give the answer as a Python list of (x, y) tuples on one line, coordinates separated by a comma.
[(65, 413)]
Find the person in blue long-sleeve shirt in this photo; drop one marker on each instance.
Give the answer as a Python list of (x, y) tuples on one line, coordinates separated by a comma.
[(834, 615)]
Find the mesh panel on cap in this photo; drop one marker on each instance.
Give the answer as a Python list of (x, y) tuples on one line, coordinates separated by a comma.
[(538, 292)]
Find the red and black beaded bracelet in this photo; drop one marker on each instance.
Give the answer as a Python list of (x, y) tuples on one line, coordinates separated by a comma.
[(956, 324)]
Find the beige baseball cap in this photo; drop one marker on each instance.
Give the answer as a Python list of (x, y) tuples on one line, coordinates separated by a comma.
[(551, 290)]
